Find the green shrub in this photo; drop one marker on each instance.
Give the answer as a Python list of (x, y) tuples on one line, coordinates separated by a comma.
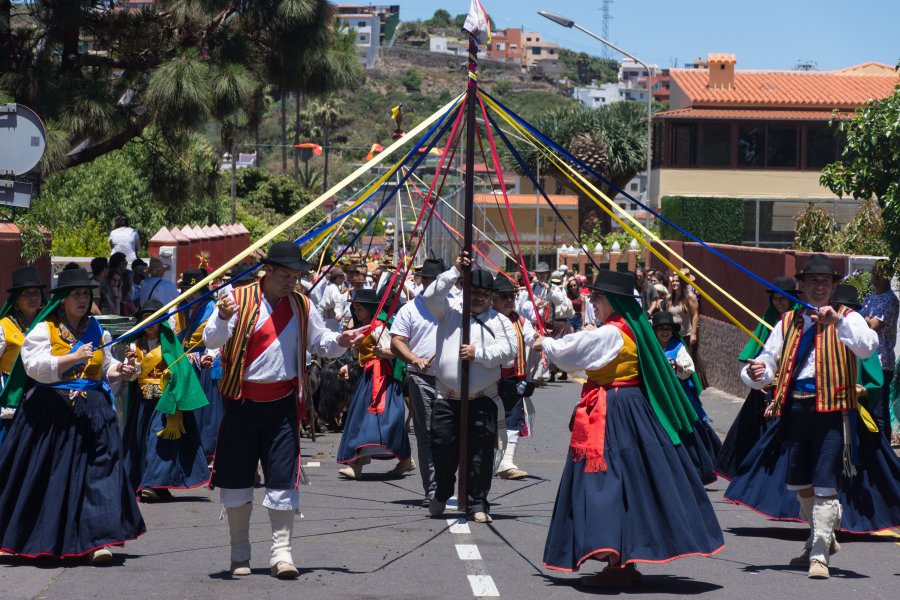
[(713, 220), (815, 230), (411, 80)]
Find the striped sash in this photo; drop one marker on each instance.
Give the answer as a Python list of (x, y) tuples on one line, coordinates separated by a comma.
[(835, 365)]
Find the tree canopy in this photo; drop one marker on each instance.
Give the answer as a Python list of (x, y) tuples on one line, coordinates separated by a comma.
[(869, 167), (99, 76)]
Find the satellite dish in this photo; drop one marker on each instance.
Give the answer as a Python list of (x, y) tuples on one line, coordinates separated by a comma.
[(22, 139)]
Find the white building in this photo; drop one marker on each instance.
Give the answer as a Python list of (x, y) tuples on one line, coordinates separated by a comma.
[(594, 96), (368, 36)]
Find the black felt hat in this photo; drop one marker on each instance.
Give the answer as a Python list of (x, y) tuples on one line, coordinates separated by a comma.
[(482, 279), (432, 268), (784, 283), (286, 254), (74, 279), (613, 282), (240, 269), (502, 285), (148, 309), (847, 295), (192, 277), (665, 318), (24, 278), (365, 296), (818, 264)]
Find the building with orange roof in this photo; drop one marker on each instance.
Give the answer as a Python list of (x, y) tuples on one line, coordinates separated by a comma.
[(760, 135)]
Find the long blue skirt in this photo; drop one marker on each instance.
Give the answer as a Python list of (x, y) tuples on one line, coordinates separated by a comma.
[(702, 446), (648, 506), (381, 436), (209, 417), (63, 487), (152, 462), (745, 431), (5, 424), (870, 500)]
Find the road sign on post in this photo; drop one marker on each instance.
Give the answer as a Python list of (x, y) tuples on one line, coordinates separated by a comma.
[(22, 144)]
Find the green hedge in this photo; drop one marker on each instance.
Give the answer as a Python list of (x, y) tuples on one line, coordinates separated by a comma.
[(714, 220)]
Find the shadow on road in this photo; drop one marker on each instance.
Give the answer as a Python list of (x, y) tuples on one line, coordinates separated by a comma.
[(672, 585), (801, 572)]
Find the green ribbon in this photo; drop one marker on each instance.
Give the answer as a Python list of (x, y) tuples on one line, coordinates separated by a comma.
[(664, 391), (752, 349)]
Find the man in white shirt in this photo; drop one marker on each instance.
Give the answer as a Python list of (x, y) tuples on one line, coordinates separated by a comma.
[(492, 345), (265, 330), (814, 355), (154, 287), (413, 339), (335, 300)]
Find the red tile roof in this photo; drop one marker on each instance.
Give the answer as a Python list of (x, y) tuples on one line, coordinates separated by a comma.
[(799, 89), (753, 114), (525, 200)]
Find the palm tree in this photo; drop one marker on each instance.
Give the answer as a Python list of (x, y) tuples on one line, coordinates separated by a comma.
[(326, 113), (611, 140)]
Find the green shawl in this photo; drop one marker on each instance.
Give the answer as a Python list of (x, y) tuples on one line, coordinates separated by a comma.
[(752, 349), (183, 390), (12, 393), (870, 376), (666, 396)]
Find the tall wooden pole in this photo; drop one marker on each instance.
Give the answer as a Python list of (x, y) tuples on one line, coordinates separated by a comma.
[(469, 212)]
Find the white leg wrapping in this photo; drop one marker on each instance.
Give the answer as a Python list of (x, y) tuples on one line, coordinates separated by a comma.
[(826, 515), (806, 509), (239, 531), (282, 528), (506, 463)]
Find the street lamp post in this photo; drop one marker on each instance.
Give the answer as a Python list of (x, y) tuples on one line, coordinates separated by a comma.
[(569, 23)]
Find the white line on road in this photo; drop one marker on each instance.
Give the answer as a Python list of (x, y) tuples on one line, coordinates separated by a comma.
[(483, 586), (468, 552), (459, 526), (313, 464)]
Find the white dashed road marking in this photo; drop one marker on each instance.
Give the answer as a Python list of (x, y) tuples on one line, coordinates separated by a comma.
[(482, 584), (313, 464)]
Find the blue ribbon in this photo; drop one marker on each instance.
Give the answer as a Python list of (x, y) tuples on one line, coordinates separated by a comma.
[(600, 177), (83, 384), (93, 334), (311, 234)]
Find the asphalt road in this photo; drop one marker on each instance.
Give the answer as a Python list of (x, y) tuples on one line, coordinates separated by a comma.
[(370, 539)]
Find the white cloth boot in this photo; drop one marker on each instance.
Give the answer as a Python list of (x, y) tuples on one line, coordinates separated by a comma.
[(507, 468), (281, 562), (239, 531), (826, 515), (806, 507)]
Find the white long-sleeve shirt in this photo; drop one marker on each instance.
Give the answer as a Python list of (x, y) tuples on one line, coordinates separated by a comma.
[(43, 367), (683, 359), (494, 348), (585, 349), (333, 306), (278, 362), (852, 331)]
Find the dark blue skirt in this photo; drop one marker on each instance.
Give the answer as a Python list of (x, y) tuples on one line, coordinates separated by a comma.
[(745, 431), (63, 487), (381, 436), (648, 506), (870, 500), (702, 446), (209, 417), (152, 462), (5, 424)]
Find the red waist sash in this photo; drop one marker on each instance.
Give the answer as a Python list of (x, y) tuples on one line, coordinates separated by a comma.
[(589, 426), (267, 392)]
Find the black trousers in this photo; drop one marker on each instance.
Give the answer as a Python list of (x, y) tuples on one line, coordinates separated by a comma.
[(815, 445), (258, 432), (881, 406), (445, 449)]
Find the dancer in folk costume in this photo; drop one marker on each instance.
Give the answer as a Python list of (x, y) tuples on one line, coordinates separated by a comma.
[(867, 495), (376, 420), (188, 326), (26, 296), (64, 491), (629, 492), (704, 445), (161, 438), (750, 424), (813, 356), (514, 388), (265, 330)]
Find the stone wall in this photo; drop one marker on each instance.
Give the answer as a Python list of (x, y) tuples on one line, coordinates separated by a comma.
[(720, 345)]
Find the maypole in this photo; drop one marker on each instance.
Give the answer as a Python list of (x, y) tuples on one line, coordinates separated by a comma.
[(476, 25)]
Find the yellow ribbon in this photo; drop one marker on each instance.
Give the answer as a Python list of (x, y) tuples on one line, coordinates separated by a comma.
[(583, 184), (304, 211)]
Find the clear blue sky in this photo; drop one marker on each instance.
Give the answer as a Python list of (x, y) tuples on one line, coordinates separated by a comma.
[(764, 34)]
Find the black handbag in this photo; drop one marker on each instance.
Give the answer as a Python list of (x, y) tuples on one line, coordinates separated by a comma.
[(508, 390)]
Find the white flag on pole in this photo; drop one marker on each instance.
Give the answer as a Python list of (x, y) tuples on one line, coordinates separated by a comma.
[(477, 22)]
